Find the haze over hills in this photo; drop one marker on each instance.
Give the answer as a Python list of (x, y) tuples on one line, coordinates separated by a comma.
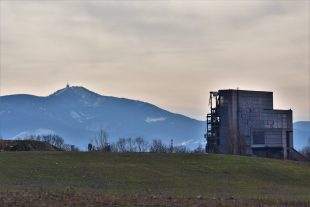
[(301, 134), (77, 114)]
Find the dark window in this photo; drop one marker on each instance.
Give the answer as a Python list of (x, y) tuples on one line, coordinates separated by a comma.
[(258, 137)]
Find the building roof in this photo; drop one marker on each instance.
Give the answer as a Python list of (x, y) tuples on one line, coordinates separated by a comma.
[(244, 91)]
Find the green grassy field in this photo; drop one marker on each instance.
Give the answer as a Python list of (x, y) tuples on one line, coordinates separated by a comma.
[(79, 179)]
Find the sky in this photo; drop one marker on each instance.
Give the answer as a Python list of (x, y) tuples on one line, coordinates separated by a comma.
[(169, 53)]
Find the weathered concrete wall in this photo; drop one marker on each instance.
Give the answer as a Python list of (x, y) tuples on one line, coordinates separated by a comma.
[(245, 113)]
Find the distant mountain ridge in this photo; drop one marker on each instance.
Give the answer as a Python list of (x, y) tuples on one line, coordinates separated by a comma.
[(301, 134), (77, 114)]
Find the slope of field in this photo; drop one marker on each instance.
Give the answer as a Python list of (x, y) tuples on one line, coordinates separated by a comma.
[(79, 179)]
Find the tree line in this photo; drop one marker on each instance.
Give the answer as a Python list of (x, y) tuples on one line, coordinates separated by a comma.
[(138, 144), (55, 140), (306, 150), (127, 145), (122, 145)]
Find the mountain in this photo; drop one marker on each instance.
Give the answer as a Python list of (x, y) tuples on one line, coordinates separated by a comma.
[(301, 134), (77, 114)]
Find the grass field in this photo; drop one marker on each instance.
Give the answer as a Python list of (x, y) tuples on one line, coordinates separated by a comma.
[(96, 179)]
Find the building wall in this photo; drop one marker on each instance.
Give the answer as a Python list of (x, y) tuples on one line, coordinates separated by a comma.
[(244, 114), (278, 128)]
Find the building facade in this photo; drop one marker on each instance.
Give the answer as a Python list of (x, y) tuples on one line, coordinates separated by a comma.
[(244, 122)]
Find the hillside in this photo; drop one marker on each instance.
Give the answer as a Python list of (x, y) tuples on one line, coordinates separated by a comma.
[(77, 179), (26, 145), (301, 134), (77, 114)]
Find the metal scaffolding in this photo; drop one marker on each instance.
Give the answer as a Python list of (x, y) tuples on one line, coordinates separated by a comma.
[(213, 120)]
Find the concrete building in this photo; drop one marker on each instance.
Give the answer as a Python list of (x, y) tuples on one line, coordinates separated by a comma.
[(244, 122)]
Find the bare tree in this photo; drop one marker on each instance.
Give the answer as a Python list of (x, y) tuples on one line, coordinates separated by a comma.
[(158, 146), (114, 147), (130, 145), (199, 149), (306, 150), (180, 149), (101, 141), (121, 145), (58, 141), (52, 139), (141, 144)]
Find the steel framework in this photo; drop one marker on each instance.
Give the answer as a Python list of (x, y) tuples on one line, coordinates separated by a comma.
[(213, 120)]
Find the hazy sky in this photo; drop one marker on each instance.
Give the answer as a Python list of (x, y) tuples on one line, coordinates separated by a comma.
[(169, 53)]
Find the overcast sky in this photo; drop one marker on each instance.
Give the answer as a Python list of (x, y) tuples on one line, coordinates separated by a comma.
[(169, 53)]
